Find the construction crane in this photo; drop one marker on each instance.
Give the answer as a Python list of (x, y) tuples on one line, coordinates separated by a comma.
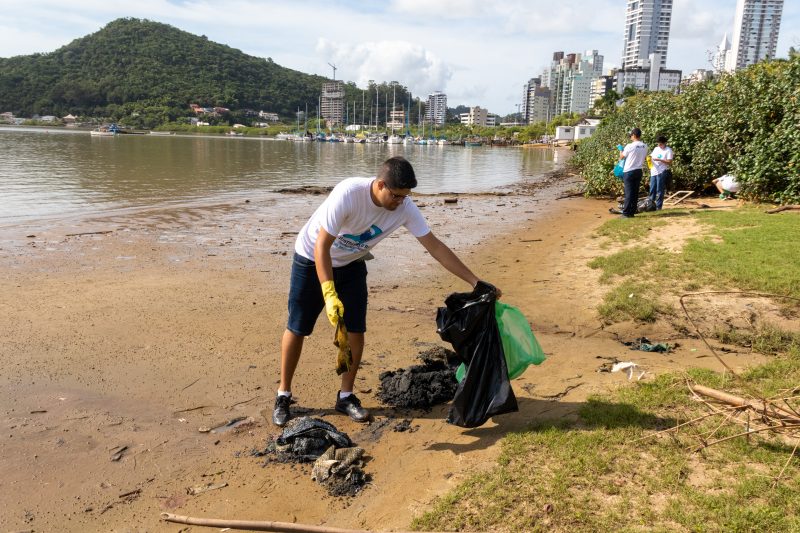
[(334, 70)]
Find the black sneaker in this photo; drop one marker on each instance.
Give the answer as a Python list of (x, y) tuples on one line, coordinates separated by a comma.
[(281, 414), (351, 406)]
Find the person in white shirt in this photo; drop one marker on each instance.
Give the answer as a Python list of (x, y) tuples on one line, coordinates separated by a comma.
[(634, 154), (727, 186), (661, 173), (329, 270)]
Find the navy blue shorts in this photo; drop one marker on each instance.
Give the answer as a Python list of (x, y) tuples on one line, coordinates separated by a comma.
[(306, 301)]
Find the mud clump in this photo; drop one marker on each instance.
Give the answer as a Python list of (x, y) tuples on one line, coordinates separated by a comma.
[(421, 386)]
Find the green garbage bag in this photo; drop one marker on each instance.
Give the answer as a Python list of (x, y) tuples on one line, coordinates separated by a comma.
[(520, 347)]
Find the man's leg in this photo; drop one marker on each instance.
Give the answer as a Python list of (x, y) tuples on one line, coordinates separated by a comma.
[(653, 188), (629, 205), (357, 348), (346, 401), (661, 187), (291, 347)]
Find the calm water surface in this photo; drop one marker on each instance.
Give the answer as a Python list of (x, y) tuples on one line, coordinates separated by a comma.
[(52, 173)]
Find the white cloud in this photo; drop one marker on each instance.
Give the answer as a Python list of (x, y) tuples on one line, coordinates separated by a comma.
[(479, 52), (410, 64)]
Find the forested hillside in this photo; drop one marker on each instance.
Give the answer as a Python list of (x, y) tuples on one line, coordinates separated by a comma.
[(141, 68)]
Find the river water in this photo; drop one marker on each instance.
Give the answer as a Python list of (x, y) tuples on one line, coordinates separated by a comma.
[(51, 173)]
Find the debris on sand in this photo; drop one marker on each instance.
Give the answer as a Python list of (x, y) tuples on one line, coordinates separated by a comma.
[(421, 386), (643, 344), (304, 439), (200, 489), (338, 465), (405, 425), (340, 471)]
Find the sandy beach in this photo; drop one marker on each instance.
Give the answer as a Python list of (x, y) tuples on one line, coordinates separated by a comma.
[(122, 336)]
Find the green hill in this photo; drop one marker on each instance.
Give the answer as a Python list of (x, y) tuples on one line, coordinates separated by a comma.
[(140, 68)]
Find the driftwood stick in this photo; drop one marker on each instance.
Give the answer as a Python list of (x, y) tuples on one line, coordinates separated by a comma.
[(89, 233), (782, 208), (255, 525), (760, 407)]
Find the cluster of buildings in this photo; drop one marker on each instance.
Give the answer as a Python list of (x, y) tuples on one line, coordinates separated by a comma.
[(573, 82)]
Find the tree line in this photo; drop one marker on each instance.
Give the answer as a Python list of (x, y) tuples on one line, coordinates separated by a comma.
[(744, 123)]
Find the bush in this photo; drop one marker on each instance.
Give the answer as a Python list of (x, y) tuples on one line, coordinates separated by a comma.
[(743, 123)]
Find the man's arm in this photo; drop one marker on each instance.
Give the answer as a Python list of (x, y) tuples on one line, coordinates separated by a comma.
[(442, 253), (322, 256)]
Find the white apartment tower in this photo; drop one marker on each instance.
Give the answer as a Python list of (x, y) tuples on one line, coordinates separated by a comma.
[(755, 32), (646, 32), (721, 56), (332, 103), (570, 79), (436, 108)]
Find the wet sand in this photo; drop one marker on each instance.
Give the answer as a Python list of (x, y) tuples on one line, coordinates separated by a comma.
[(116, 348)]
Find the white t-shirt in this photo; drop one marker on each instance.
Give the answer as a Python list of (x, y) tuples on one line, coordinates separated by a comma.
[(729, 183), (635, 155), (358, 224), (657, 155)]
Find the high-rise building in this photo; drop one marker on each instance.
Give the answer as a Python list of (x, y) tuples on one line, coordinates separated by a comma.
[(570, 78), (535, 102), (646, 32), (755, 32), (332, 103), (720, 58), (649, 77), (436, 108)]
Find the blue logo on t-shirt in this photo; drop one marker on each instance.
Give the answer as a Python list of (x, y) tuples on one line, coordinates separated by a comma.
[(368, 235)]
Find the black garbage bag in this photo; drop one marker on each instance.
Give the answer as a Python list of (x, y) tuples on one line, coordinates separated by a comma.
[(468, 323)]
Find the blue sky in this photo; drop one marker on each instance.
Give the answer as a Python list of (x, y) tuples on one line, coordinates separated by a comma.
[(479, 52)]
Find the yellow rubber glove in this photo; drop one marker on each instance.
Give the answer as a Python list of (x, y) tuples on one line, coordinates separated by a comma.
[(333, 305)]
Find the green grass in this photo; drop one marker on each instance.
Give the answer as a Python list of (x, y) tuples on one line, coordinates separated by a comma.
[(744, 249), (632, 301), (610, 470), (599, 474), (625, 230)]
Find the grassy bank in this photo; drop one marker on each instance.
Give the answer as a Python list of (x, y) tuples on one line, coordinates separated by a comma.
[(745, 249), (619, 465)]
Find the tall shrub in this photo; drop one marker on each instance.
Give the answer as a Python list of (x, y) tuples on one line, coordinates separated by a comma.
[(747, 123)]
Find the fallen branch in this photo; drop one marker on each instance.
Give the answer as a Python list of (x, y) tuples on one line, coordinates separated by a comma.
[(254, 525), (763, 407), (782, 208)]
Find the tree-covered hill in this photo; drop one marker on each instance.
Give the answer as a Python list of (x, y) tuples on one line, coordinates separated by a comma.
[(133, 67)]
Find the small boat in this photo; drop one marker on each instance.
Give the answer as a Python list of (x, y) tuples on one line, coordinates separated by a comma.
[(162, 133), (234, 134), (102, 133), (394, 139)]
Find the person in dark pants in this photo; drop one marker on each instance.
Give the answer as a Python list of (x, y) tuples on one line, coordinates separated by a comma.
[(634, 154), (661, 173)]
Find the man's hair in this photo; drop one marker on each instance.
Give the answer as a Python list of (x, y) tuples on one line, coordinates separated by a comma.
[(636, 132), (398, 173), (661, 139)]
